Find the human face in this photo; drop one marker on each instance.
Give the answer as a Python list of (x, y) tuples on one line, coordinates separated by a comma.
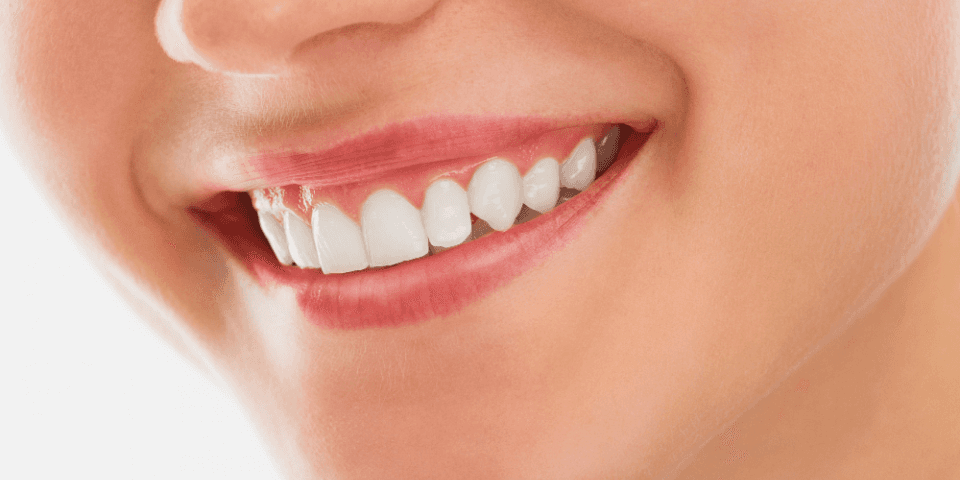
[(786, 159)]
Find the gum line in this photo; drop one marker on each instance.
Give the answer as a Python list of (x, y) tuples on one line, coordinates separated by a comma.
[(413, 182)]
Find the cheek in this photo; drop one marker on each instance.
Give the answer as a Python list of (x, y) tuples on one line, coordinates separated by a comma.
[(74, 80), (816, 156), (840, 156), (79, 81), (857, 160), (82, 84), (824, 142)]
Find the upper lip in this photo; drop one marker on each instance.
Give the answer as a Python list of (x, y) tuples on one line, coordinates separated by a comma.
[(398, 147)]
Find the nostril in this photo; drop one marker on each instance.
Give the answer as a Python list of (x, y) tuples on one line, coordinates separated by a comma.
[(169, 29), (259, 37), (221, 36)]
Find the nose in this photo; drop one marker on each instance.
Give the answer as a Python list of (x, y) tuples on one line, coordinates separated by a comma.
[(259, 36)]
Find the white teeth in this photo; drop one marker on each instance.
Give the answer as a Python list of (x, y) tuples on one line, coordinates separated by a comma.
[(495, 193), (446, 213), (300, 239), (580, 168), (338, 239), (275, 236), (541, 185), (392, 229)]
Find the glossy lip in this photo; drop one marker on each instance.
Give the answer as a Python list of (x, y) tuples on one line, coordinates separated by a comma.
[(418, 144), (418, 290)]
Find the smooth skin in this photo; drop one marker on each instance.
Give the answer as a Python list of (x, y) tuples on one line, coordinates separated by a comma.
[(774, 291)]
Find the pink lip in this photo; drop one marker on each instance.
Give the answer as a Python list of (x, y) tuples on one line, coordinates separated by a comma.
[(408, 146), (422, 289)]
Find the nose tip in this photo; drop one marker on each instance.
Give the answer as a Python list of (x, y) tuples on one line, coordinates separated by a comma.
[(259, 36)]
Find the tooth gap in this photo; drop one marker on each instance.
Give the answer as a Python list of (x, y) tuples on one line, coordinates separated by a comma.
[(608, 148), (435, 249), (479, 229), (526, 214), (566, 194)]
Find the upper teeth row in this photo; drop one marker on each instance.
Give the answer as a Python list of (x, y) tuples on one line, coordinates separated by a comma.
[(392, 230)]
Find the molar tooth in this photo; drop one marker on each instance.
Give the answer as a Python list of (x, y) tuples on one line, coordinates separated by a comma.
[(580, 168), (338, 239), (392, 229), (495, 193), (607, 149), (300, 238), (541, 185), (275, 237), (446, 213)]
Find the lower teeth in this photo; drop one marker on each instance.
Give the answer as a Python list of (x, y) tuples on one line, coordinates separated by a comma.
[(388, 244)]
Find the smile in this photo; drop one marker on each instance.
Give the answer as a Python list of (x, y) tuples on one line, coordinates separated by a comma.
[(419, 228)]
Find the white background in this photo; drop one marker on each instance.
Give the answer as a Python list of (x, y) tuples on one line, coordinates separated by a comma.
[(86, 390)]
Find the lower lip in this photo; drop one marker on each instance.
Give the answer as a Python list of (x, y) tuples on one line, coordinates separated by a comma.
[(426, 288)]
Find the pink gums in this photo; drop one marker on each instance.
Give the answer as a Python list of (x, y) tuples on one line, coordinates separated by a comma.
[(407, 158)]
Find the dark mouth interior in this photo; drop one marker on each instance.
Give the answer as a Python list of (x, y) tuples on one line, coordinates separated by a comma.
[(231, 218)]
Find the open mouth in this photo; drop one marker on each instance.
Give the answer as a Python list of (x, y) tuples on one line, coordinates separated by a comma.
[(422, 238)]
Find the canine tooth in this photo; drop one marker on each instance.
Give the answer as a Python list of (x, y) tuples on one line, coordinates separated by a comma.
[(541, 185), (607, 149), (300, 239), (580, 168), (495, 193), (392, 229), (446, 213), (338, 239), (275, 237)]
